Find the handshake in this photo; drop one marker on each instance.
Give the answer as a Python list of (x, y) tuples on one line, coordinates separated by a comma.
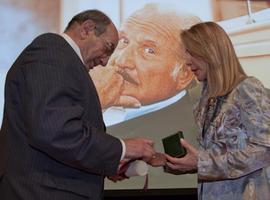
[(139, 152)]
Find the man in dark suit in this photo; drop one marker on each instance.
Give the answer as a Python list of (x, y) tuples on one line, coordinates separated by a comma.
[(53, 143)]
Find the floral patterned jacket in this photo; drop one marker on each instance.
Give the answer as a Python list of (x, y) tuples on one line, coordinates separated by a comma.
[(234, 154)]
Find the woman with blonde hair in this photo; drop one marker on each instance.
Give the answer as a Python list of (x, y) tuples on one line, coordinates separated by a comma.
[(233, 116)]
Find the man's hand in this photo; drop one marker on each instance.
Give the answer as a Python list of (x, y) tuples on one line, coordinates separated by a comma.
[(109, 85), (188, 163), (120, 175), (139, 148), (117, 177)]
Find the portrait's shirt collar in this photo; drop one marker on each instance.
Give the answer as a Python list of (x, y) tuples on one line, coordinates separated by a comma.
[(74, 46), (115, 115)]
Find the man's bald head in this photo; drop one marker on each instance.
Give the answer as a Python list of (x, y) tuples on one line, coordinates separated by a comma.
[(149, 54), (170, 21)]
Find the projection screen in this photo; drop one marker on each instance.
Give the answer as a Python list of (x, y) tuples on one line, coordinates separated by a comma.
[(157, 99)]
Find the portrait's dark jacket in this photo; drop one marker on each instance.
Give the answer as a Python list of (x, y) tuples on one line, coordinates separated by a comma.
[(53, 143)]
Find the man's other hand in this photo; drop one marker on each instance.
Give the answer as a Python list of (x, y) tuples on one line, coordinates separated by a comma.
[(139, 148)]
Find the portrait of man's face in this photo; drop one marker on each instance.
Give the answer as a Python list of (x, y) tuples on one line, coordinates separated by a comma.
[(149, 56)]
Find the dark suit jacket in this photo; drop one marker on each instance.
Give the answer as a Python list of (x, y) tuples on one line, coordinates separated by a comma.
[(53, 143)]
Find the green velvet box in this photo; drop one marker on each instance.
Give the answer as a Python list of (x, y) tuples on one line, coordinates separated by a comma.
[(172, 145)]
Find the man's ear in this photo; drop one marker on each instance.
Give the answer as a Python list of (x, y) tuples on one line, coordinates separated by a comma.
[(184, 77), (86, 28)]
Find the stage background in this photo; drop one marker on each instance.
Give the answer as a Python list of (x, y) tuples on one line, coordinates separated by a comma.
[(22, 20)]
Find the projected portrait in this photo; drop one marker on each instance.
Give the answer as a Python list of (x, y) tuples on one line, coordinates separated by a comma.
[(149, 58)]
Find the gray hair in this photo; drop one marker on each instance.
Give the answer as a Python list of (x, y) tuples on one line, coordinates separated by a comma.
[(99, 18)]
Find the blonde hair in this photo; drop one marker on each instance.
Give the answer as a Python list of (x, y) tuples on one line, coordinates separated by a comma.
[(209, 42)]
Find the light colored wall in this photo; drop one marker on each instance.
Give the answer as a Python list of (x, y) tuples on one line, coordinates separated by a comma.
[(252, 43), (71, 8), (112, 8), (253, 49)]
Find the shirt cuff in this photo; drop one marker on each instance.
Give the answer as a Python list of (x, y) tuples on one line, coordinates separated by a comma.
[(123, 149)]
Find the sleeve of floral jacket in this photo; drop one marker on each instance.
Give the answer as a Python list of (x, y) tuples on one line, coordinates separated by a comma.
[(240, 142)]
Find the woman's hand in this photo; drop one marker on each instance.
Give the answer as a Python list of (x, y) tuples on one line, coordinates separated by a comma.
[(188, 163)]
